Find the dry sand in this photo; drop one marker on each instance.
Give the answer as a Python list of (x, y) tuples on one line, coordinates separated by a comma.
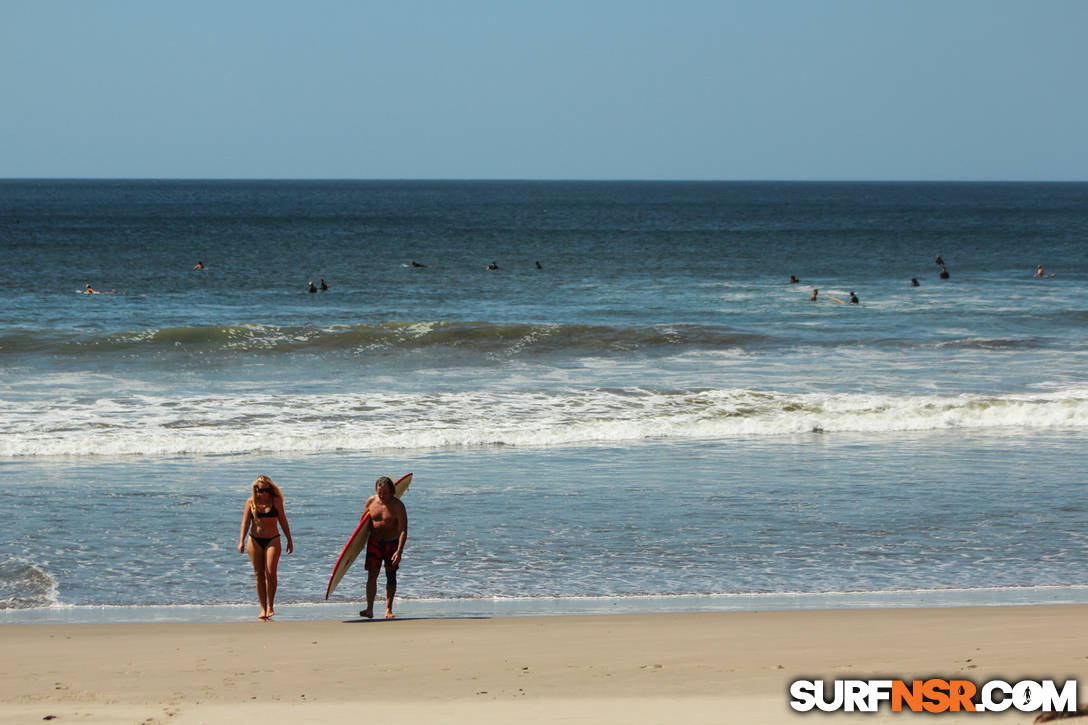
[(670, 668)]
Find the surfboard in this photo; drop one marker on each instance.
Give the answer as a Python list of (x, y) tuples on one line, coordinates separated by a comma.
[(357, 541)]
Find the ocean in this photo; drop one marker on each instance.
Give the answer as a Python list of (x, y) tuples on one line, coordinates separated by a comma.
[(636, 411)]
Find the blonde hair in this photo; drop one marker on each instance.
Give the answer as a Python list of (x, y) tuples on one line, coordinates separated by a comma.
[(264, 481)]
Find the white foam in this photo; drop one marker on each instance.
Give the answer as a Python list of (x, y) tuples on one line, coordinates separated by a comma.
[(150, 424)]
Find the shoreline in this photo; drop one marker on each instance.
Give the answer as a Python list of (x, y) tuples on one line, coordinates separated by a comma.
[(694, 667), (501, 607)]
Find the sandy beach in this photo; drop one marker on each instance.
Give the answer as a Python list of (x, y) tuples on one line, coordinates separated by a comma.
[(692, 668)]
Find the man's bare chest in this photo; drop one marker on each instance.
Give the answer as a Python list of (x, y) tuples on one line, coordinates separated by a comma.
[(381, 514)]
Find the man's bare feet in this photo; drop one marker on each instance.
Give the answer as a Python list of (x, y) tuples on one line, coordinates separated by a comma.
[(368, 613), (263, 616), (389, 614)]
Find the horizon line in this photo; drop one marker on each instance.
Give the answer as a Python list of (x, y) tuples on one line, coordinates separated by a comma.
[(541, 180)]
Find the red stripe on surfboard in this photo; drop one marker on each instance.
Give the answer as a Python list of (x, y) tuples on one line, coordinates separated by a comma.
[(365, 518)]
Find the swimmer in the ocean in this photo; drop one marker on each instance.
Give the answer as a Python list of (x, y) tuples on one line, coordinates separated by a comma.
[(88, 290), (793, 279), (813, 297), (1039, 271), (538, 264), (323, 286), (417, 264), (492, 266), (198, 265), (853, 298), (940, 261), (914, 282), (944, 273), (312, 287)]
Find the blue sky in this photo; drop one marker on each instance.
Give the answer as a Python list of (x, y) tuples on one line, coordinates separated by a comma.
[(585, 89)]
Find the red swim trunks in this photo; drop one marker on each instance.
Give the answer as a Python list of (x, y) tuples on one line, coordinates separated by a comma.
[(379, 551)]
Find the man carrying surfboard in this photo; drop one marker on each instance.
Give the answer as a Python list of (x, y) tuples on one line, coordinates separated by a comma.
[(389, 520)]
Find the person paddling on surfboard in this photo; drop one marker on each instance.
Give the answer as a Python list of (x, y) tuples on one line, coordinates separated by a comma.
[(389, 520)]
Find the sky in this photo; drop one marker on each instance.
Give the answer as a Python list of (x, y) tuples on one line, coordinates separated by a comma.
[(549, 89)]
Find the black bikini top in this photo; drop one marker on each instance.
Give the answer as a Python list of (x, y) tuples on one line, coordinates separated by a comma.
[(270, 513)]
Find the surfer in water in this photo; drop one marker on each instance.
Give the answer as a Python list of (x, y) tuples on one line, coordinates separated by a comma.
[(263, 516), (813, 297), (389, 521)]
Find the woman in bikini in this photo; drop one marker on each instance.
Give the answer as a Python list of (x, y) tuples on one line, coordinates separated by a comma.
[(262, 517)]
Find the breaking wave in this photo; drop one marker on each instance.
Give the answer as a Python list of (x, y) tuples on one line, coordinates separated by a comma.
[(484, 337), (147, 424), (25, 586)]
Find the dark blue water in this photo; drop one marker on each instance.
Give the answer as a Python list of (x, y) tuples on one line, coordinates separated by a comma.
[(612, 252)]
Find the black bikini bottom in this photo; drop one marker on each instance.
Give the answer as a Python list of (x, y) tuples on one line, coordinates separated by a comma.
[(263, 541)]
